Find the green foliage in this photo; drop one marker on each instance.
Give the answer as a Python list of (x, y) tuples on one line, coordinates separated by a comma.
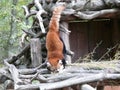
[(11, 25)]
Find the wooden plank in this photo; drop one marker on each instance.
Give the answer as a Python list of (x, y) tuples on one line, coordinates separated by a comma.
[(36, 58), (78, 39), (116, 31), (85, 36), (100, 31)]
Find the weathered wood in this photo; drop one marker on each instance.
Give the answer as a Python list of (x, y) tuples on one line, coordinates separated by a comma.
[(39, 13), (69, 82), (94, 14), (14, 72), (116, 32), (33, 70), (65, 79), (22, 41), (81, 9), (26, 11), (87, 87), (8, 85), (36, 58), (89, 5), (65, 38), (4, 73)]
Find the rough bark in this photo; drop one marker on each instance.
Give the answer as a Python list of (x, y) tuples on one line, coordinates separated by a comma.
[(64, 34), (81, 9), (36, 58), (69, 82)]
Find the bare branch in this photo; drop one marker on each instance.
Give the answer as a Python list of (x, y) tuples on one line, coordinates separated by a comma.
[(4, 71), (26, 10), (14, 73), (41, 20), (93, 14), (63, 29), (41, 11), (70, 82)]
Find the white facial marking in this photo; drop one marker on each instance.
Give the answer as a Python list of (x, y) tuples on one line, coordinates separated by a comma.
[(60, 70), (48, 64), (60, 62)]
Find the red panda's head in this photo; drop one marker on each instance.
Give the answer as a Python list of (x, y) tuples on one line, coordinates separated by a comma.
[(55, 65)]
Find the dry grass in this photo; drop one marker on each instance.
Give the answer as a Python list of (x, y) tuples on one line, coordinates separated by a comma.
[(110, 65)]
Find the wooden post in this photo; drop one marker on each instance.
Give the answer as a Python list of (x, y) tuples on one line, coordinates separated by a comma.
[(65, 37), (36, 58)]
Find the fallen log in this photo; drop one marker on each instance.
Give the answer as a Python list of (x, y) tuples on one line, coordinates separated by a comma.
[(69, 82), (78, 73)]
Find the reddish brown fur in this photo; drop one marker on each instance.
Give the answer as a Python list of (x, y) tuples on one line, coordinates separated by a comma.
[(53, 43)]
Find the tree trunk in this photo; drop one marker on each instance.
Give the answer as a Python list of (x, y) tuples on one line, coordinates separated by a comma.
[(65, 37), (36, 58)]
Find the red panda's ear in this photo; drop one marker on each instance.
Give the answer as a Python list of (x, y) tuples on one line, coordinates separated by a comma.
[(48, 64), (61, 67), (60, 62)]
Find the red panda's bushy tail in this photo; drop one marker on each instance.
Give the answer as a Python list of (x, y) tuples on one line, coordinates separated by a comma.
[(56, 17)]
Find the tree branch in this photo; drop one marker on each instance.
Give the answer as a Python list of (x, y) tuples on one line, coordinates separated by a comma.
[(93, 14), (69, 82), (39, 13)]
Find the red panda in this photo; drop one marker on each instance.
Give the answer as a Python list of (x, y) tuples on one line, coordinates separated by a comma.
[(54, 44)]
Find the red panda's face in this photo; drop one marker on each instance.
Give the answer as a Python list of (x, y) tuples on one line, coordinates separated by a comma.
[(55, 65)]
